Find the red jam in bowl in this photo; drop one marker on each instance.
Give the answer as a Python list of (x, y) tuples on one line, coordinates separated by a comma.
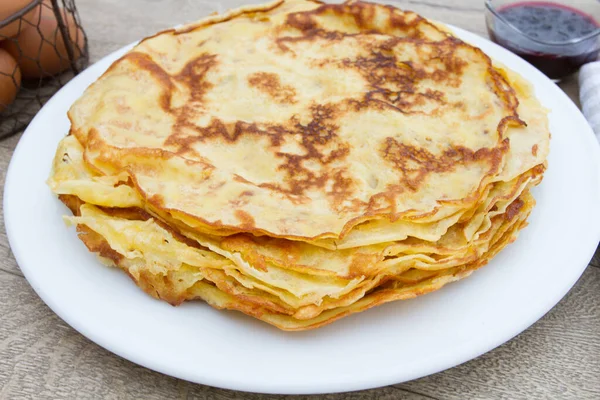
[(555, 38)]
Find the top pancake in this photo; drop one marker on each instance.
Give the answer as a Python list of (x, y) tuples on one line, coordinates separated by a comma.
[(301, 120)]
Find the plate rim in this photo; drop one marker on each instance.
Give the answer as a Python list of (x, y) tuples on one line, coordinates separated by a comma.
[(356, 384)]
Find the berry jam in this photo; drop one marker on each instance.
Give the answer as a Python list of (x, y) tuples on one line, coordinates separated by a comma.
[(546, 35)]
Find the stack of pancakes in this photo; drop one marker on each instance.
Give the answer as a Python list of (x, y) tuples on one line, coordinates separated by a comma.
[(300, 161)]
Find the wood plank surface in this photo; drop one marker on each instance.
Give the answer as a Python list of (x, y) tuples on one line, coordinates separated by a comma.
[(42, 357)]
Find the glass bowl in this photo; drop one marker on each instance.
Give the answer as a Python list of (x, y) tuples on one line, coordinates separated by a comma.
[(557, 37)]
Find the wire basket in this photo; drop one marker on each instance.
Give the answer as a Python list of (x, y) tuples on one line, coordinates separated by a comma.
[(42, 46)]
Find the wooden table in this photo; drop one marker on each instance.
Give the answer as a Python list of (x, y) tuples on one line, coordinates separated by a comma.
[(42, 357)]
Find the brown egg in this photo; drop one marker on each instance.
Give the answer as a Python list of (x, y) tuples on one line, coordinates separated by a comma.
[(11, 7), (10, 79), (41, 51)]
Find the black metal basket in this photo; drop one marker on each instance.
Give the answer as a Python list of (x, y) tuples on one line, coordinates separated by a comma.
[(57, 26)]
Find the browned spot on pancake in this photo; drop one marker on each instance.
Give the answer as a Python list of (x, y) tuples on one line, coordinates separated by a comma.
[(320, 142), (193, 75), (507, 121), (246, 219), (146, 63), (303, 21), (534, 150), (513, 209), (218, 130), (97, 244), (308, 22), (159, 286), (282, 42), (238, 202), (318, 138), (362, 13), (362, 264), (72, 202), (538, 170), (394, 81), (341, 191), (123, 109), (128, 182), (414, 164), (240, 179), (270, 84), (312, 24), (157, 200), (130, 213), (502, 87)]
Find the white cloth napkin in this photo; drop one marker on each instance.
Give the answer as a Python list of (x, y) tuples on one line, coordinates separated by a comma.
[(589, 94)]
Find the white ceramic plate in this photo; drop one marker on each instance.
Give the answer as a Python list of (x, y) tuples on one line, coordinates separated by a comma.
[(389, 344)]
